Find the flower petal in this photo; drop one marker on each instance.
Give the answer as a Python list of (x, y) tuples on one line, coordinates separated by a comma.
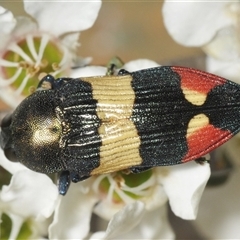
[(7, 21), (225, 45), (62, 17), (126, 219), (97, 235), (7, 24), (138, 224), (188, 22), (29, 194), (24, 26), (17, 222), (153, 225), (20, 26), (11, 167), (139, 64), (106, 210), (226, 69), (184, 186), (219, 211), (157, 198), (88, 71), (71, 41), (73, 213)]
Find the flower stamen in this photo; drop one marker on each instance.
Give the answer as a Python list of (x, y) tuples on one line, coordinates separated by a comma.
[(111, 189), (31, 47), (43, 44), (6, 63), (55, 66), (11, 80), (120, 188), (23, 84), (19, 51)]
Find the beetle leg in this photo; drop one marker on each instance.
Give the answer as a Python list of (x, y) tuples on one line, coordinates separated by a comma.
[(139, 169), (65, 179), (64, 182), (114, 64), (111, 69), (201, 160), (74, 177)]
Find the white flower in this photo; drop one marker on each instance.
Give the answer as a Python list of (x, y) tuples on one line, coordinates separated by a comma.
[(195, 23), (137, 212), (73, 212), (47, 46), (219, 211), (134, 222), (214, 26), (29, 195), (181, 185)]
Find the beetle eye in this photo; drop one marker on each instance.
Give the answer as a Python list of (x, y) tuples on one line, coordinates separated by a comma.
[(6, 140), (6, 121), (10, 155)]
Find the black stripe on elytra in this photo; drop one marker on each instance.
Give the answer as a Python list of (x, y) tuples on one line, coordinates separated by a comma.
[(75, 99), (222, 107), (161, 114)]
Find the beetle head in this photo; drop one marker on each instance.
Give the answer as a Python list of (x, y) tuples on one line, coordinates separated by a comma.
[(32, 132)]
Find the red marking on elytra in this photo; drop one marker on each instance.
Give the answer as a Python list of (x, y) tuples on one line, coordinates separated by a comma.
[(204, 140), (197, 80)]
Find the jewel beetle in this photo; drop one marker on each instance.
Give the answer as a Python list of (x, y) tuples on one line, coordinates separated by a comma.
[(140, 120)]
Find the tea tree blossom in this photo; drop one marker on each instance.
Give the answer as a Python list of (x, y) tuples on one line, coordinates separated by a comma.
[(150, 200), (29, 195), (220, 221), (214, 26), (134, 205), (48, 45)]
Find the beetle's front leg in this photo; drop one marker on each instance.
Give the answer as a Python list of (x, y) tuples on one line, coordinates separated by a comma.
[(64, 182), (65, 178), (202, 160)]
